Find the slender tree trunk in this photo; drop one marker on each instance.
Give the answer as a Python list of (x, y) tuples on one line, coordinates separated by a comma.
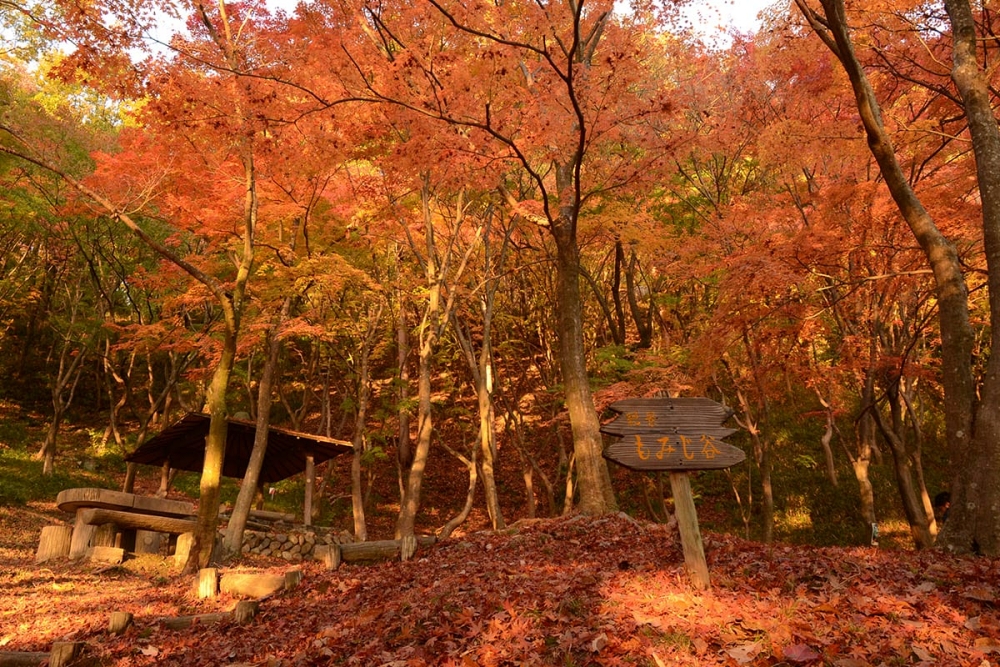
[(233, 541), (364, 393), (459, 519), (827, 439), (892, 430), (231, 303), (643, 322), (425, 428), (404, 454), (215, 455)]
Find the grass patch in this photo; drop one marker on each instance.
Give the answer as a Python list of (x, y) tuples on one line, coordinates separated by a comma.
[(22, 481)]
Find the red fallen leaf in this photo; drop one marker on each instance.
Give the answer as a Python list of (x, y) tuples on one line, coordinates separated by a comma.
[(800, 653)]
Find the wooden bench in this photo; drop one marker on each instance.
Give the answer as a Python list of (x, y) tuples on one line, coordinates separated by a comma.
[(99, 507)]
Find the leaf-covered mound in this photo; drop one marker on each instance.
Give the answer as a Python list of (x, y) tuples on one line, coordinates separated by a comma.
[(573, 591)]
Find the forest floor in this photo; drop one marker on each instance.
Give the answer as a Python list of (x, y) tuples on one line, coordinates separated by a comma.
[(565, 591)]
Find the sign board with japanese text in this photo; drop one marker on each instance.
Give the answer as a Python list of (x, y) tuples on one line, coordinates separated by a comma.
[(671, 434)]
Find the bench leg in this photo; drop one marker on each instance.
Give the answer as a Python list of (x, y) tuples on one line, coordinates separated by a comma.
[(82, 532)]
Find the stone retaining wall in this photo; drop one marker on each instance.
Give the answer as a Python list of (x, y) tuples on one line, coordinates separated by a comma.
[(293, 545)]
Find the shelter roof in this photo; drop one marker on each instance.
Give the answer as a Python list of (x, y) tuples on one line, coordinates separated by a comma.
[(183, 445)]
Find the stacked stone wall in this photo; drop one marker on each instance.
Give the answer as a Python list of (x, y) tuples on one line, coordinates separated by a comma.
[(294, 545)]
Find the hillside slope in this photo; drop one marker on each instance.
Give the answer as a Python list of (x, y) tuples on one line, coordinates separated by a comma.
[(567, 591)]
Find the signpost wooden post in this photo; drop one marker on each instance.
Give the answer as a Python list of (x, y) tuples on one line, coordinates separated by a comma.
[(678, 435)]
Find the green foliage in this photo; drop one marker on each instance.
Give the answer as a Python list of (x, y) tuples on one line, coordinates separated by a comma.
[(374, 454), (189, 483), (21, 479), (611, 364)]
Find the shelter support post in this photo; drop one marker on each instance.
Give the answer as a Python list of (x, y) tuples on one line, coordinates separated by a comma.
[(310, 486)]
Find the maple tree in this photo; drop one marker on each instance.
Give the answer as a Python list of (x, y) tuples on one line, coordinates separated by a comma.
[(969, 422), (583, 73), (683, 219)]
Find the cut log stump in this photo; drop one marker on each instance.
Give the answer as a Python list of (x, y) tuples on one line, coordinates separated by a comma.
[(119, 622), (54, 543), (183, 549), (245, 611), (329, 554), (208, 583), (148, 542), (64, 653), (292, 579)]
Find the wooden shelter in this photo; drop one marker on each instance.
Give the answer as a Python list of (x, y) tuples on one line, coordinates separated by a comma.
[(182, 446)]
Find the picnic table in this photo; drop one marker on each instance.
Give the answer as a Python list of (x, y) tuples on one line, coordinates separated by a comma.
[(130, 513)]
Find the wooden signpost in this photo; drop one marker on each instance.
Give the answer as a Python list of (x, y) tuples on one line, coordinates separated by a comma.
[(678, 435)]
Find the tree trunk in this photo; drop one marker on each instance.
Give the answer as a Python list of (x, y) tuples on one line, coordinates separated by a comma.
[(425, 428), (470, 496), (593, 479), (974, 519), (643, 322), (404, 454), (950, 288), (364, 394), (233, 541), (215, 454), (892, 430)]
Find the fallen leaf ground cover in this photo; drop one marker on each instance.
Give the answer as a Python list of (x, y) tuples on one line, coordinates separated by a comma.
[(565, 591)]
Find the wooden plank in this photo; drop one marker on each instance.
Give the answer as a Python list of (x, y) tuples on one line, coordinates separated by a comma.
[(620, 427), (70, 500), (688, 451), (689, 405), (687, 524), (159, 524), (82, 532), (163, 507)]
